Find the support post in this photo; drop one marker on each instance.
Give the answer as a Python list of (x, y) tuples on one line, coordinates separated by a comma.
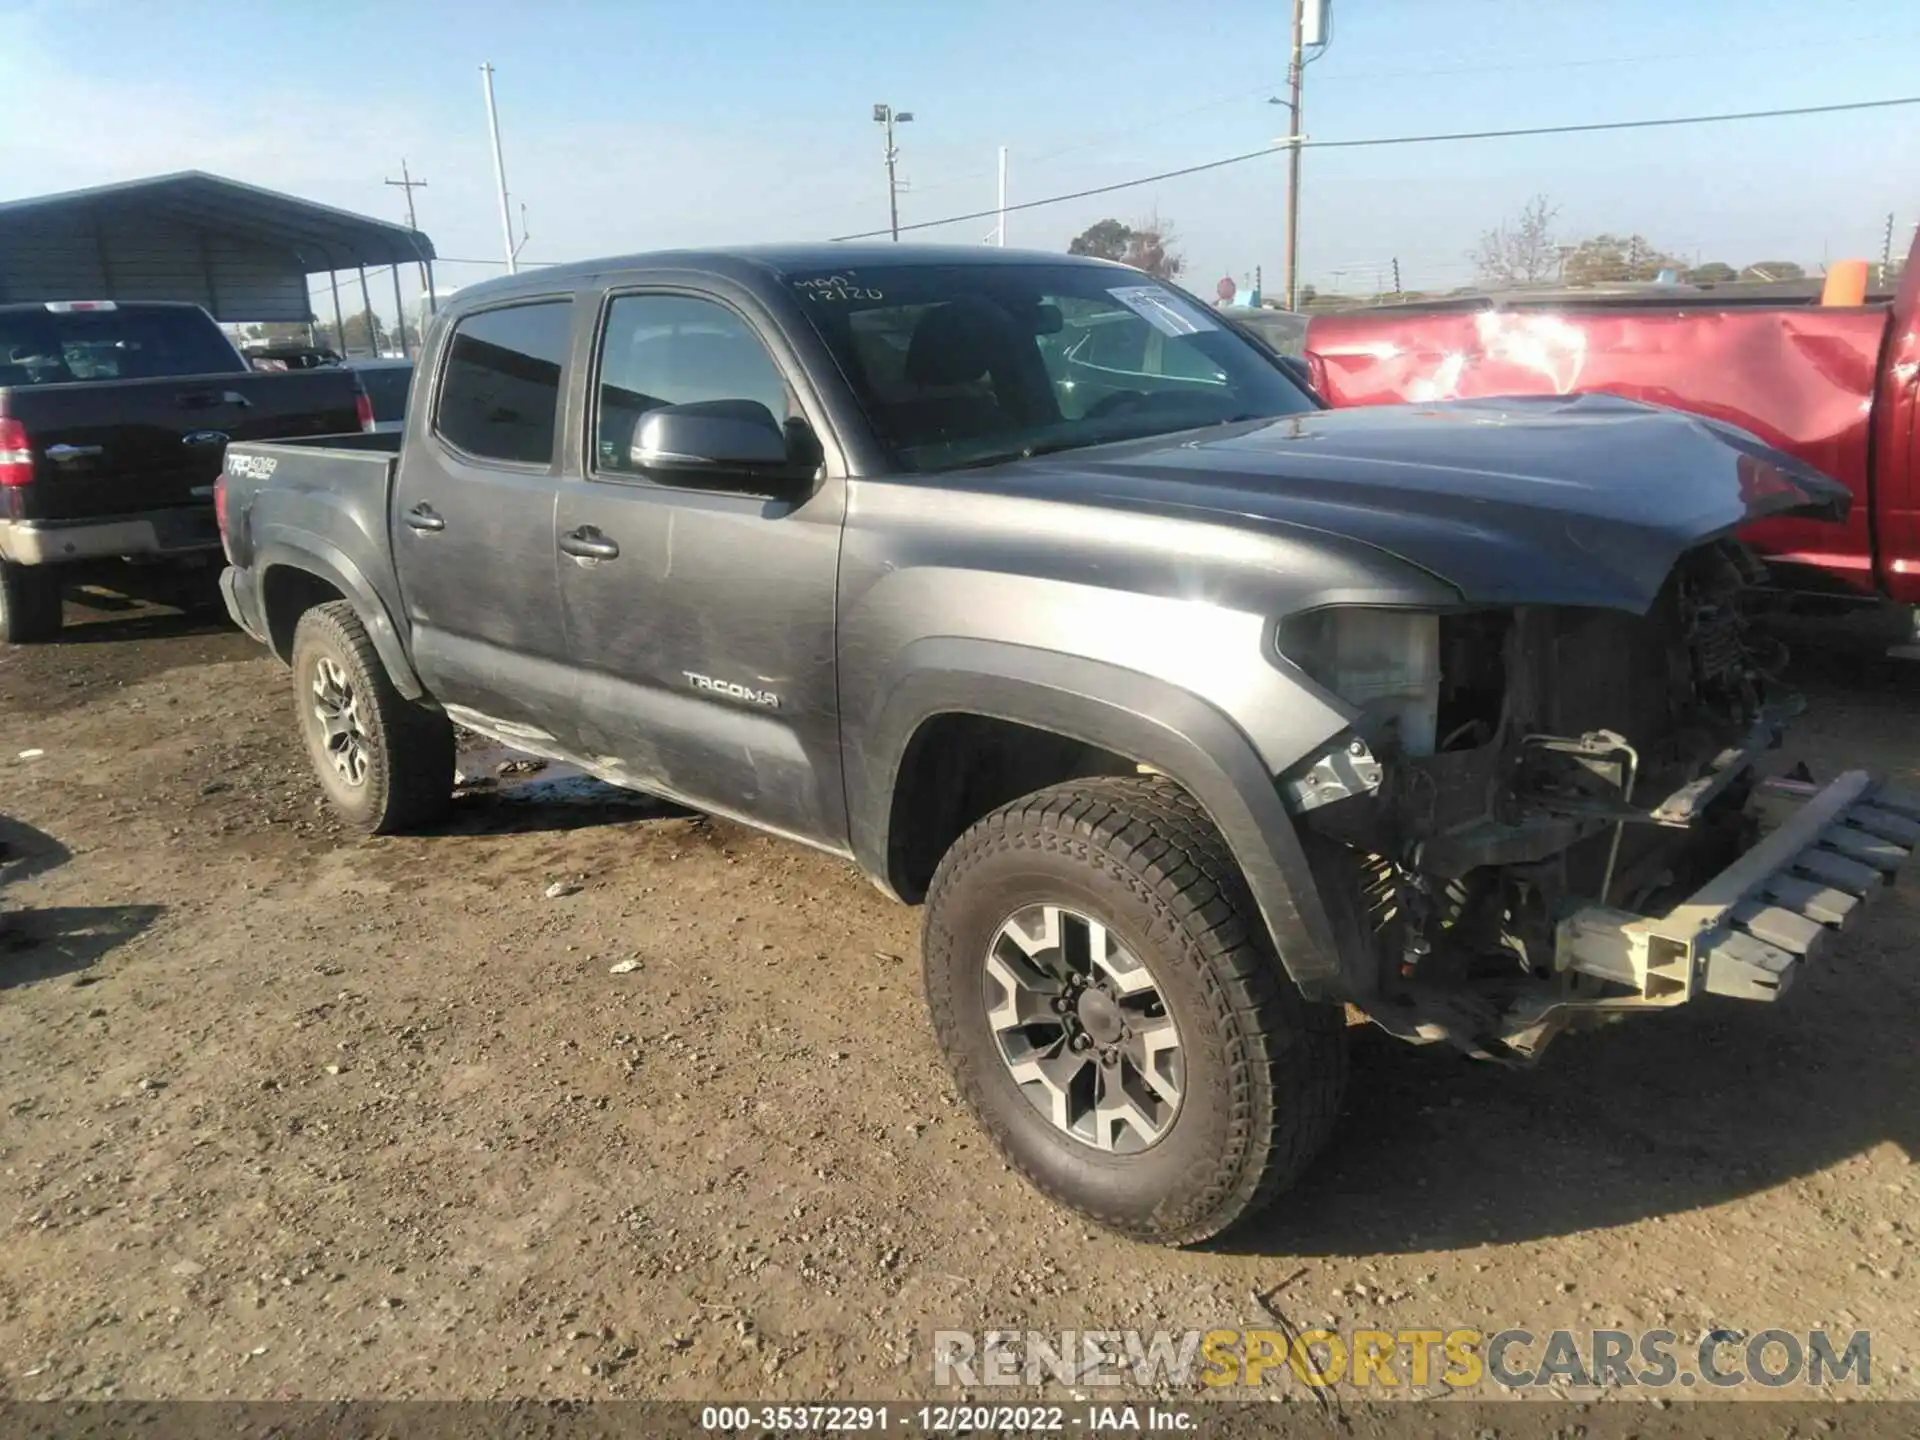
[(400, 313), (366, 304), (339, 320)]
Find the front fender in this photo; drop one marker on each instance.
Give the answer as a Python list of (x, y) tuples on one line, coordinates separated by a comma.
[(1145, 719), (302, 550)]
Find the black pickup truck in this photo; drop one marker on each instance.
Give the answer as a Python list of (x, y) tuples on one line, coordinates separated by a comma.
[(1191, 710), (113, 419)]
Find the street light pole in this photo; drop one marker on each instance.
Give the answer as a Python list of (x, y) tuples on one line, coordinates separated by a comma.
[(500, 174), (886, 115), (1000, 229), (893, 185), (1291, 262)]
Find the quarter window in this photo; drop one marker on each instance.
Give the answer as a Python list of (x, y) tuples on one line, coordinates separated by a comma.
[(677, 350), (500, 394)]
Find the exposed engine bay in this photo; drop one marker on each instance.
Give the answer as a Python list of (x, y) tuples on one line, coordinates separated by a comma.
[(1513, 768)]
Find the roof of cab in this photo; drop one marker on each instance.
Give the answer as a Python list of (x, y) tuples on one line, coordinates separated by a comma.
[(761, 261)]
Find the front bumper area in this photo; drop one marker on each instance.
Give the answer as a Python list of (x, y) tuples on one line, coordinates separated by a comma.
[(1748, 931)]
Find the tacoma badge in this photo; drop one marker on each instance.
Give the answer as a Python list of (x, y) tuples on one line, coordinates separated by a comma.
[(737, 692)]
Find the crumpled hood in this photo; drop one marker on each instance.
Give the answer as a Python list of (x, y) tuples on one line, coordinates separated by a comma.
[(1581, 500)]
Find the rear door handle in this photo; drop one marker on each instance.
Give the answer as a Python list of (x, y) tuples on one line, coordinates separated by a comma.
[(424, 517), (589, 544), (73, 452)]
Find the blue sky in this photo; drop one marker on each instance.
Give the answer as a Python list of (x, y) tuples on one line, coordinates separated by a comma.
[(635, 124)]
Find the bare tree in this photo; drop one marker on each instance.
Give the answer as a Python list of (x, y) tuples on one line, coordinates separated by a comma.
[(1150, 247), (1523, 251)]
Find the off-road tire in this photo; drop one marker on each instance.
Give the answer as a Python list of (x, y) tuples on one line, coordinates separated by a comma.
[(1265, 1068), (409, 748), (29, 603)]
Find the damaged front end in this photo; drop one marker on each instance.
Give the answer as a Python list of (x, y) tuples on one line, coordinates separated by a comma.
[(1543, 815)]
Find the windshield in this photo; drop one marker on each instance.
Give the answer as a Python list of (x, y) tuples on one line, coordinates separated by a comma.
[(969, 364), (47, 347)]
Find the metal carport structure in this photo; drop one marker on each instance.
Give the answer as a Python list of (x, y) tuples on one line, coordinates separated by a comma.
[(241, 251)]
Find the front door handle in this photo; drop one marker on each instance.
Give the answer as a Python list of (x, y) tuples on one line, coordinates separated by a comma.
[(424, 517), (589, 544)]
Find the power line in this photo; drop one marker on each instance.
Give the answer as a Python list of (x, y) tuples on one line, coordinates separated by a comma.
[(1653, 58), (1223, 99), (1076, 195), (1406, 140), (1220, 100), (1617, 124)]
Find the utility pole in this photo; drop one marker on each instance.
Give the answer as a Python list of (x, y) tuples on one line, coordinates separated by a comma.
[(1886, 250), (500, 174), (884, 114), (407, 183), (1398, 293), (1290, 269)]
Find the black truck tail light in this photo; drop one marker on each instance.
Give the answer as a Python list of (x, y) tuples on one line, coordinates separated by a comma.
[(16, 454)]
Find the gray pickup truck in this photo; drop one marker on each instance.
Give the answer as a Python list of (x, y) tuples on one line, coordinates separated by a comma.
[(1193, 712)]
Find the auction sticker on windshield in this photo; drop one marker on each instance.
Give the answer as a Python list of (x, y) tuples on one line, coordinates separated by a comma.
[(1163, 310)]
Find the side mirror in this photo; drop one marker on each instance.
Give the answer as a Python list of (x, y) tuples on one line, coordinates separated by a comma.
[(722, 444)]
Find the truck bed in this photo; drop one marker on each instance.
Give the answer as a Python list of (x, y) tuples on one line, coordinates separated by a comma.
[(318, 485)]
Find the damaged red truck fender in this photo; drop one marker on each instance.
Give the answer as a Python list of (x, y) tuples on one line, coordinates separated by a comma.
[(1834, 386)]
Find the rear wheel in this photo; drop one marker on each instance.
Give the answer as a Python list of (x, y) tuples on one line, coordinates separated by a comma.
[(1104, 991), (29, 603), (385, 763)]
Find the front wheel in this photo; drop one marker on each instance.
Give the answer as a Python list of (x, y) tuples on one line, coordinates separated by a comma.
[(1105, 994), (385, 763), (29, 603)]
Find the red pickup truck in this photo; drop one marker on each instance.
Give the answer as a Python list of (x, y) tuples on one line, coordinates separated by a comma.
[(1837, 386)]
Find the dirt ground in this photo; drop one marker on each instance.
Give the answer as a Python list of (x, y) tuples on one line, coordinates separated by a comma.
[(295, 1114)]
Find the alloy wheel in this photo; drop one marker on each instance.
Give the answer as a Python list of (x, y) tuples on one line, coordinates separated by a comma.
[(1081, 1026), (336, 705)]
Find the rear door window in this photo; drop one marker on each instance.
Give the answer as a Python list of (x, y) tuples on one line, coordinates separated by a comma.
[(46, 347), (500, 391)]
